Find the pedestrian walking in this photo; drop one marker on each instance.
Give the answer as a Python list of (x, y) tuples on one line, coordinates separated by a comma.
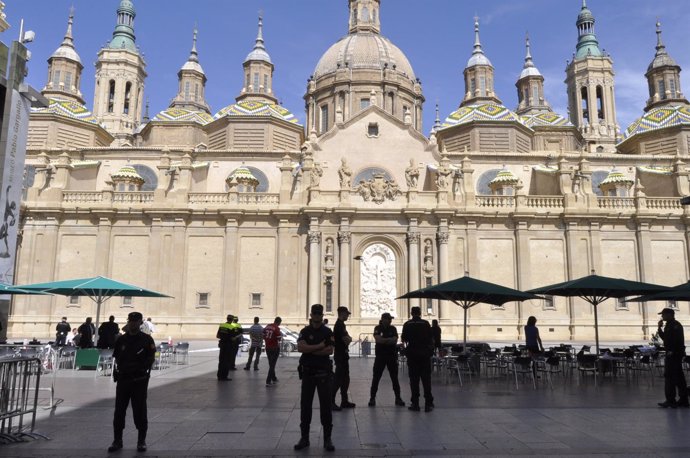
[(134, 355), (225, 336), (386, 357), (674, 343), (61, 331), (256, 336), (272, 337), (341, 357), (107, 333), (419, 348), (315, 342), (147, 327), (86, 332), (436, 334), (532, 338)]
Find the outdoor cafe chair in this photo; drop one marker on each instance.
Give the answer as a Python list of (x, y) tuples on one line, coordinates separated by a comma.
[(523, 366), (642, 365), (66, 358), (105, 362), (163, 356), (587, 364), (549, 367), (182, 353)]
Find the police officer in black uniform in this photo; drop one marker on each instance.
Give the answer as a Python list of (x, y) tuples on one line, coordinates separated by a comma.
[(386, 338), (420, 347), (315, 342), (341, 357), (225, 336), (674, 343), (134, 355)]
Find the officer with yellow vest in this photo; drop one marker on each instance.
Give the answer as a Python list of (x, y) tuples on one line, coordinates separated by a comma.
[(227, 334)]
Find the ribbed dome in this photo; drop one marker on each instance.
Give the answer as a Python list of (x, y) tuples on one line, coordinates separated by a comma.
[(127, 173), (68, 109), (659, 118), (487, 111), (256, 109), (66, 52), (615, 176), (183, 115), (364, 51)]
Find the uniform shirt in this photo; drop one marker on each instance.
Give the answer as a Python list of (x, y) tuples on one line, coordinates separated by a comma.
[(417, 333), (385, 332), (225, 333), (272, 336), (674, 340), (134, 354), (314, 336), (256, 334), (341, 348), (63, 328)]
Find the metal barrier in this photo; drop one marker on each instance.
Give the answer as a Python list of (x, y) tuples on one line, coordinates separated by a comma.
[(19, 384)]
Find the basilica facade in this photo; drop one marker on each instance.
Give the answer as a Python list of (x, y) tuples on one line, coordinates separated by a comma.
[(246, 211)]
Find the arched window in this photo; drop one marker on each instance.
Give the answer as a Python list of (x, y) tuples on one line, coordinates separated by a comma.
[(585, 105), (259, 175), (600, 103), (368, 174), (128, 94), (150, 177), (484, 180), (324, 119), (111, 96)]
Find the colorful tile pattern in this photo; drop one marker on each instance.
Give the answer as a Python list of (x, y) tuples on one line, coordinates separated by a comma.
[(659, 118), (616, 176), (480, 112), (68, 109), (183, 115), (257, 109), (658, 170), (546, 119), (504, 177)]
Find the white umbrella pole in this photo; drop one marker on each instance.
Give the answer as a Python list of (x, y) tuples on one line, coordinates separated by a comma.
[(99, 301)]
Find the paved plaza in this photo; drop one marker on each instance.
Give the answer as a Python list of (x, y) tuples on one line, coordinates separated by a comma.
[(192, 414)]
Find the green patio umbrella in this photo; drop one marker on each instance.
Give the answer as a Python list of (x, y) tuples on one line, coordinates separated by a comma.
[(468, 292), (595, 289), (99, 289), (13, 290), (675, 293)]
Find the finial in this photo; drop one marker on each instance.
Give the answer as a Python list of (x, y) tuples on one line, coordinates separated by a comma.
[(437, 122), (146, 113), (194, 55), (260, 35), (68, 35), (477, 42), (584, 4), (528, 56), (659, 44)]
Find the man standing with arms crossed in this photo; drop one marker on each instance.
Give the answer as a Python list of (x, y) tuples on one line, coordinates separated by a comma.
[(420, 346), (386, 337), (341, 357), (134, 355), (272, 337), (315, 342)]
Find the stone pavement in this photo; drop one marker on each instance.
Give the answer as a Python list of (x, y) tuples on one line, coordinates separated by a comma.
[(191, 414)]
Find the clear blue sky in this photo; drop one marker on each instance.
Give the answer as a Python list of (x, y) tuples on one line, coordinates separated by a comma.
[(436, 35)]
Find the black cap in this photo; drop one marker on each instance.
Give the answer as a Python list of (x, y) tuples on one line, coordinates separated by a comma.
[(135, 316), (342, 309), (317, 309), (386, 316), (667, 310)]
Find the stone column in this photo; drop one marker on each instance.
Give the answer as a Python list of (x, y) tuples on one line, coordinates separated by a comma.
[(230, 265), (444, 307), (285, 179), (102, 258), (524, 274), (314, 240), (344, 237), (571, 232), (413, 261), (644, 260)]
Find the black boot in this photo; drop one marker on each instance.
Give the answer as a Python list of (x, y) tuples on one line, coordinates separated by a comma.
[(117, 442), (303, 443), (327, 442), (141, 441)]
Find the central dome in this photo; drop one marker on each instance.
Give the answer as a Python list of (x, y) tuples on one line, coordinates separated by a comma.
[(364, 51)]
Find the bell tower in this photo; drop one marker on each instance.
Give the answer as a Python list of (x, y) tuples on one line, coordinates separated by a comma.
[(120, 75), (258, 72), (64, 70), (663, 78), (590, 82)]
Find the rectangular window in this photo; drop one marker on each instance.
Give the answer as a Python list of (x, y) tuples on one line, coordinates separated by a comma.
[(621, 305), (202, 300), (662, 90), (68, 80), (329, 294), (248, 82), (373, 129), (56, 79), (265, 83), (127, 301), (186, 90), (473, 86), (673, 305), (73, 301), (548, 303), (535, 93), (256, 83), (364, 103), (324, 119), (672, 87), (482, 85), (196, 92), (256, 300)]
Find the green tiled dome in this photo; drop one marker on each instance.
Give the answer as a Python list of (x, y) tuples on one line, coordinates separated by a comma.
[(257, 109), (480, 112)]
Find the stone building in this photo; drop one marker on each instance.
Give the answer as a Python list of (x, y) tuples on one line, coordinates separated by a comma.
[(245, 211)]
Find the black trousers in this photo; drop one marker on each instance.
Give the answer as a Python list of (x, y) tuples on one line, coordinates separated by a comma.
[(60, 340), (380, 364), (234, 348), (252, 352), (272, 355), (674, 379), (134, 391), (342, 378), (322, 385), (419, 368), (224, 361)]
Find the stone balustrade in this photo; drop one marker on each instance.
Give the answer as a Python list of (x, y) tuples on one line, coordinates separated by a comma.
[(544, 202), (495, 201), (133, 197), (82, 197), (616, 203)]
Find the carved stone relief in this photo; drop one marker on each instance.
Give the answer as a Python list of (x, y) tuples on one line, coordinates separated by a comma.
[(377, 281)]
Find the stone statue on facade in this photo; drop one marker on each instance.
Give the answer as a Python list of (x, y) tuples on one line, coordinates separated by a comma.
[(442, 177), (345, 174), (428, 256), (328, 258), (315, 175), (378, 189), (412, 175)]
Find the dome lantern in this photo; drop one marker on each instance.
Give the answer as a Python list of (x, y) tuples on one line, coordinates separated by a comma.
[(243, 179), (127, 179), (663, 78)]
